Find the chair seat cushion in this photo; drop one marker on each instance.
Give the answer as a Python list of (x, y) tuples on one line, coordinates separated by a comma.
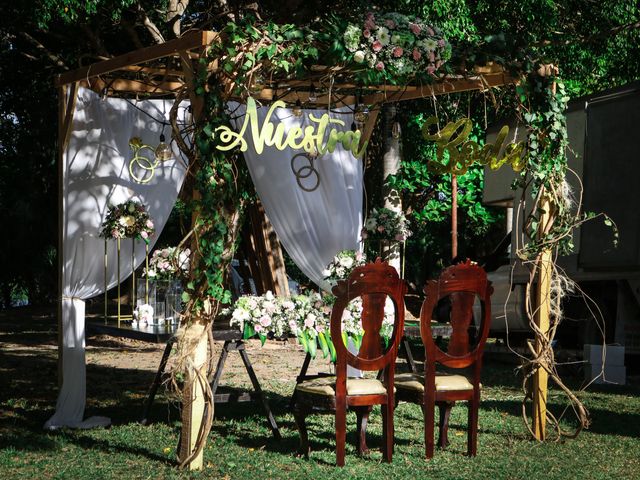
[(355, 386), (444, 383)]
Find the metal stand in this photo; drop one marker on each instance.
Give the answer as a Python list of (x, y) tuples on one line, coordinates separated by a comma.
[(239, 346), (214, 380)]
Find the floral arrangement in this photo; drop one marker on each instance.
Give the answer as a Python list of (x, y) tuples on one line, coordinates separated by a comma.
[(168, 263), (127, 220), (342, 265), (143, 314), (402, 44), (305, 317), (259, 315), (385, 224)]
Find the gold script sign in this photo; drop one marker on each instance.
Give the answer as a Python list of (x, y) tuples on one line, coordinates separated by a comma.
[(310, 139), (456, 153)]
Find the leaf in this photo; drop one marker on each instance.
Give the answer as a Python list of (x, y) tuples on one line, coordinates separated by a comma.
[(263, 338), (323, 345), (302, 338), (313, 347), (248, 331), (332, 349)]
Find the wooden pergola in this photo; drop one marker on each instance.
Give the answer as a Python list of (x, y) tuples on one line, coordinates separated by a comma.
[(167, 69)]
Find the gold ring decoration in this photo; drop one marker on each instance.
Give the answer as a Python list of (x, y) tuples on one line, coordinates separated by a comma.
[(304, 171), (140, 163)]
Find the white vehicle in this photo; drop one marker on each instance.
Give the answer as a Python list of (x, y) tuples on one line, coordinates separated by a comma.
[(604, 137)]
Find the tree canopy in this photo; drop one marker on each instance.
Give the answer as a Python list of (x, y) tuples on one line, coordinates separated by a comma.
[(596, 45)]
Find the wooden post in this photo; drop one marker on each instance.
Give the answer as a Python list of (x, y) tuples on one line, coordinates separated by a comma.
[(454, 216), (193, 396), (193, 402), (543, 304)]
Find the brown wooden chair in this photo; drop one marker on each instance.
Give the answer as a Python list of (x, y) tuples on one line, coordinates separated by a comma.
[(373, 282), (461, 284)]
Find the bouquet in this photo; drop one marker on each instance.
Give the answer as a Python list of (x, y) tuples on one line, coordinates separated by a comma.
[(143, 314), (342, 265), (401, 44), (385, 224), (310, 324), (127, 220), (168, 263), (258, 315)]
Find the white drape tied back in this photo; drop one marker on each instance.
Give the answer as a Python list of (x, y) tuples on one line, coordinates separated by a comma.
[(96, 175), (312, 225)]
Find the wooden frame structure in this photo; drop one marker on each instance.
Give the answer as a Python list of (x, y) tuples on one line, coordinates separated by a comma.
[(130, 75)]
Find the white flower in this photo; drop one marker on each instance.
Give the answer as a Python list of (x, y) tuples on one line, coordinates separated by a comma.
[(326, 272), (383, 35), (430, 45), (396, 39), (346, 261), (268, 295), (127, 221), (359, 56)]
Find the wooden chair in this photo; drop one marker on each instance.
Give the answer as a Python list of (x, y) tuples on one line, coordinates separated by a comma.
[(373, 282), (462, 284)]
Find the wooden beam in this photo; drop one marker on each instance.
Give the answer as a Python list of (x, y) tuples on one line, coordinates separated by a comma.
[(446, 85), (131, 86), (188, 41)]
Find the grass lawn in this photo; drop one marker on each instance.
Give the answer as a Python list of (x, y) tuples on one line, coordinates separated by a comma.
[(241, 445)]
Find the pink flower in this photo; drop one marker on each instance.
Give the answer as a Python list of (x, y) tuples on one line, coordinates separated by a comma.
[(430, 31), (369, 24), (377, 46), (144, 234), (415, 28), (390, 23), (416, 54), (265, 321), (115, 233), (149, 224), (257, 328), (293, 325), (380, 66), (431, 69), (441, 43), (432, 57), (369, 16), (380, 229), (397, 52), (399, 237), (366, 33)]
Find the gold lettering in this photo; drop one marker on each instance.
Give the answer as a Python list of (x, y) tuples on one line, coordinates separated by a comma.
[(310, 139), (455, 153)]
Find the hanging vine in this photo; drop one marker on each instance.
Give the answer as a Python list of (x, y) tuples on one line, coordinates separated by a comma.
[(551, 214)]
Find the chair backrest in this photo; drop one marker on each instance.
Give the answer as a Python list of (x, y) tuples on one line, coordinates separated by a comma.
[(461, 284), (373, 282)]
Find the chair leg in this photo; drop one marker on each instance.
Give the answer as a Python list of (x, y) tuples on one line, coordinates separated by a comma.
[(428, 410), (387, 425), (341, 433), (300, 414), (443, 432), (472, 439), (362, 415)]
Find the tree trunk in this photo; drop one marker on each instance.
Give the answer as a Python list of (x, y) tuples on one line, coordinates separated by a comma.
[(390, 165)]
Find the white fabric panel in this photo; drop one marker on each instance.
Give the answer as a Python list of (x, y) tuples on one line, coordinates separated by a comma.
[(312, 226), (95, 175)]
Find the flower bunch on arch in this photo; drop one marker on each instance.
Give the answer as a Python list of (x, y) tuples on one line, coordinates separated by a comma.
[(401, 45), (129, 219)]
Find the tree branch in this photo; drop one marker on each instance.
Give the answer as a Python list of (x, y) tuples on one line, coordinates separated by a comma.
[(150, 26), (174, 15), (44, 51)]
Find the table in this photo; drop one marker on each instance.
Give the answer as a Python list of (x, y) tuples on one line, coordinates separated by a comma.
[(166, 334)]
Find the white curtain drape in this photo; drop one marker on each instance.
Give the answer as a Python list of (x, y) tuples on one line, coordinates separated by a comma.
[(96, 175), (312, 226)]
